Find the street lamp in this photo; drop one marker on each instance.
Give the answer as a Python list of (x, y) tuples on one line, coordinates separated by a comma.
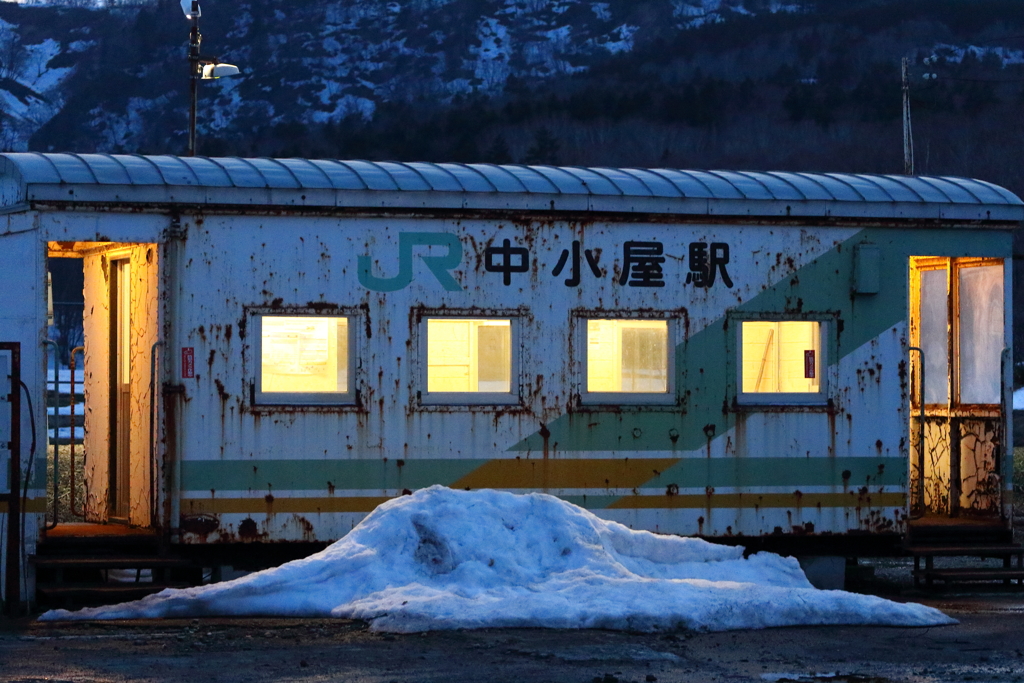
[(199, 68)]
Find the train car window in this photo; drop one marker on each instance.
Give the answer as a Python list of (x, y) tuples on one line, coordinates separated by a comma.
[(627, 360), (781, 361), (934, 331), (469, 360), (304, 359)]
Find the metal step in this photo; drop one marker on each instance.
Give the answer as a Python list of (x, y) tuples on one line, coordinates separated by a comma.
[(64, 397), (91, 595), (958, 533), (73, 560), (986, 550), (65, 421), (1005, 551), (89, 540), (111, 562), (64, 441), (965, 574)]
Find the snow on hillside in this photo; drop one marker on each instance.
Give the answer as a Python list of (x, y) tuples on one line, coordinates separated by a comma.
[(30, 89), (445, 559), (696, 13), (955, 54), (339, 59)]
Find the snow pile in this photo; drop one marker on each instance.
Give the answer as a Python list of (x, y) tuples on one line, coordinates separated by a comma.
[(444, 559)]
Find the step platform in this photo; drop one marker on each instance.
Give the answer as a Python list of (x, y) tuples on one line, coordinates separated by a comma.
[(1011, 554), (87, 565)]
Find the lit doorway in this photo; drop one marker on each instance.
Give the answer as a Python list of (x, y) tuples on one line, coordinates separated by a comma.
[(121, 325), (957, 335)]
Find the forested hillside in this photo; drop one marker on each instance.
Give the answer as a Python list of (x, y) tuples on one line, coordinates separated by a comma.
[(755, 85)]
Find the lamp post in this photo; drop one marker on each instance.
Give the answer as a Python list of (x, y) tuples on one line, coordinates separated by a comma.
[(199, 68)]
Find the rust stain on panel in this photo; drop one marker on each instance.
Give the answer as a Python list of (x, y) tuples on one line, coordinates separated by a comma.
[(523, 473), (753, 500), (286, 505)]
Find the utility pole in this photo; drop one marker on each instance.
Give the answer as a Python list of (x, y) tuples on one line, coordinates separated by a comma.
[(908, 134), (194, 74)]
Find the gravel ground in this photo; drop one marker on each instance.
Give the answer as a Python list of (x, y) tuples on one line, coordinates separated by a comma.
[(984, 646)]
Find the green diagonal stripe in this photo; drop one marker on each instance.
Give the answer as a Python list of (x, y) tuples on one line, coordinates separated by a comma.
[(823, 285), (373, 476)]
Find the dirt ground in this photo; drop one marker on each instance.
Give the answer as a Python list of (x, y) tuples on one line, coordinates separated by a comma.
[(985, 646)]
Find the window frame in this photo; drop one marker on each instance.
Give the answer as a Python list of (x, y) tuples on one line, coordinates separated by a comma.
[(469, 399), (596, 399), (261, 400), (956, 268), (827, 345), (952, 267)]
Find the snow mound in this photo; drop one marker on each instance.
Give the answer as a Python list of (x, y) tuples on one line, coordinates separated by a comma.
[(444, 559)]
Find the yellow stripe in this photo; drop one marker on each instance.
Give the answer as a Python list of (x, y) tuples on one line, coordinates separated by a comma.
[(540, 474), (31, 505), (196, 506), (763, 500)]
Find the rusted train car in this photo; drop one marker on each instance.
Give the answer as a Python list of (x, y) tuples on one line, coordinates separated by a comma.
[(274, 347)]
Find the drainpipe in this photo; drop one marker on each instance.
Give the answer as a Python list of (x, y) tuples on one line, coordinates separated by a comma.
[(153, 519), (172, 392)]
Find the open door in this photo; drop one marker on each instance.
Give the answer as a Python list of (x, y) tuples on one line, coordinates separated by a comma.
[(120, 335), (957, 338), (121, 325)]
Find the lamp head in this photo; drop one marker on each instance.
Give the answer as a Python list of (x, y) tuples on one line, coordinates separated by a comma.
[(212, 71)]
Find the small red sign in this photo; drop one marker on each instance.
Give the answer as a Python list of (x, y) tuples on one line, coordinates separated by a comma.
[(809, 365), (188, 362)]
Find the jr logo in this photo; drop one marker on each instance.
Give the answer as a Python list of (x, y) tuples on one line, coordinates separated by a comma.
[(438, 265)]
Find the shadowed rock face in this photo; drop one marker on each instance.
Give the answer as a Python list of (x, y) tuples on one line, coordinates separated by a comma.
[(432, 552)]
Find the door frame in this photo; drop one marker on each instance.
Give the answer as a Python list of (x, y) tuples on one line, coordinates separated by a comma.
[(952, 415)]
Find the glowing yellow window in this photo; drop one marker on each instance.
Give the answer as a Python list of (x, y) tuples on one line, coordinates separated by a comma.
[(469, 355), (781, 357), (629, 356), (306, 355)]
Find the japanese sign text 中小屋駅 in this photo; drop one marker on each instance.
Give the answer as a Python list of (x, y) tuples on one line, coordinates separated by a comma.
[(643, 263)]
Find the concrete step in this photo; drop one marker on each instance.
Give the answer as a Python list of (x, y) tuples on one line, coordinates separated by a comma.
[(970, 574)]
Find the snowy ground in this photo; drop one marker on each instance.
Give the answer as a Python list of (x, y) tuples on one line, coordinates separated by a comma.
[(442, 559)]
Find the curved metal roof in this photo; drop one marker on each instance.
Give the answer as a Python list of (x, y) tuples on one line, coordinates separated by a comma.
[(136, 179)]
